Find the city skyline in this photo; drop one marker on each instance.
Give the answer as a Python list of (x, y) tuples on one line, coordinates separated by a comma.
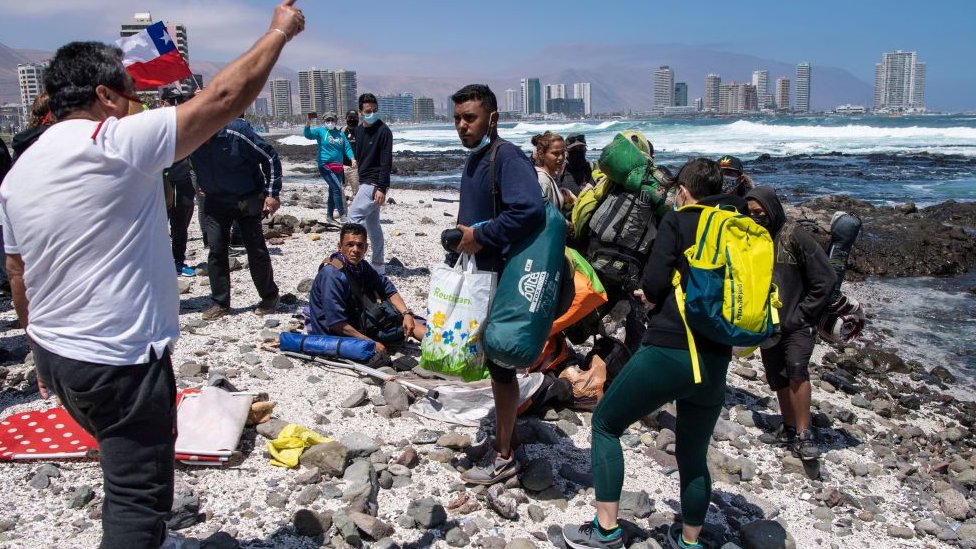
[(222, 28)]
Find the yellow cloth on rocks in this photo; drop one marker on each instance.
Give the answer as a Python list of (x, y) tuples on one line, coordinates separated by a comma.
[(290, 443)]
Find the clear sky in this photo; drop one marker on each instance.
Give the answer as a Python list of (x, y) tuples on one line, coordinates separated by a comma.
[(451, 37)]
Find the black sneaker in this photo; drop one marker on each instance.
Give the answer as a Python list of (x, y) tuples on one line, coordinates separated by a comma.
[(675, 541), (805, 446), (588, 536), (784, 435)]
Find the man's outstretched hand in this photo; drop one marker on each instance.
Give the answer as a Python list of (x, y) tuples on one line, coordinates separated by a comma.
[(288, 19)]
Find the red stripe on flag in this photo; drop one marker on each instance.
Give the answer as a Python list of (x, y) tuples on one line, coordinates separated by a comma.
[(162, 70)]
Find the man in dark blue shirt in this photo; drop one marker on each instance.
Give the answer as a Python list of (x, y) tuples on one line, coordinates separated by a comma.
[(490, 220), (336, 298)]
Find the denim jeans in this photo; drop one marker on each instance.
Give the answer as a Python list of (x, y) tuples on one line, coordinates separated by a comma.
[(131, 412), (365, 211), (335, 191), (218, 218)]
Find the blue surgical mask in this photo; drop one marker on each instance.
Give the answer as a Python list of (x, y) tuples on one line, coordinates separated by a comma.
[(371, 118), (484, 143), (330, 126)]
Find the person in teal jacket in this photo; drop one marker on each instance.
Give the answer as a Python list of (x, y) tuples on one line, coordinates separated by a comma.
[(332, 144)]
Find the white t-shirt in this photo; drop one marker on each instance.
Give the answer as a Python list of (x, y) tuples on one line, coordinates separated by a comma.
[(84, 208)]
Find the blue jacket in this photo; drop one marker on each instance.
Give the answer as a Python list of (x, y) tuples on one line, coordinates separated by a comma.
[(332, 144), (331, 300), (236, 164), (521, 203)]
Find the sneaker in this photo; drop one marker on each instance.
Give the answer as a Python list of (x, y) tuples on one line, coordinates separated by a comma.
[(784, 435), (499, 470), (588, 536), (266, 306), (805, 446), (675, 541), (183, 269), (215, 312)]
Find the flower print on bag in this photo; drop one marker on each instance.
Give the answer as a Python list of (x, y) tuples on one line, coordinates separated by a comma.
[(438, 319), (448, 336)]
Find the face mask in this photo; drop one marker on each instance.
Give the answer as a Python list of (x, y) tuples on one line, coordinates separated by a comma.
[(371, 118), (330, 126), (352, 122), (484, 140), (761, 220)]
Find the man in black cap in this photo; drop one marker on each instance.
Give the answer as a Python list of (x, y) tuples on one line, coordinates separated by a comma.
[(350, 174), (737, 183), (579, 172)]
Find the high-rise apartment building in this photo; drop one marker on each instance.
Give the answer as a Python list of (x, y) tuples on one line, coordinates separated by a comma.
[(316, 91), (803, 87), (899, 82), (346, 91), (711, 97), (737, 98), (512, 101), (663, 88), (177, 32), (581, 90), (396, 108), (552, 91), (280, 97), (260, 106), (760, 79), (680, 94), (30, 76), (531, 96), (782, 93), (571, 108), (423, 109)]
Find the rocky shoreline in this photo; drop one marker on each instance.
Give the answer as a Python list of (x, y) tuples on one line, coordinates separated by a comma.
[(899, 466)]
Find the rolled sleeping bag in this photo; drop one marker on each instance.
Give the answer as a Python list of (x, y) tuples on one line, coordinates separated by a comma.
[(353, 348), (844, 230)]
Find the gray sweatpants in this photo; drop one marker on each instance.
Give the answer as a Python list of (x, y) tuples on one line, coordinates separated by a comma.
[(365, 211)]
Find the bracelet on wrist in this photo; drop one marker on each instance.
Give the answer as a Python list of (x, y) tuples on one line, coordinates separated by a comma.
[(283, 33)]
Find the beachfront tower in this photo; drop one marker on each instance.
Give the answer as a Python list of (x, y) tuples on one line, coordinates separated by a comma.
[(899, 82), (423, 109), (346, 91), (316, 91), (552, 91), (512, 101), (30, 76), (711, 98), (663, 89), (680, 94), (803, 87), (531, 92), (581, 90), (782, 93), (760, 79), (280, 93), (176, 30)]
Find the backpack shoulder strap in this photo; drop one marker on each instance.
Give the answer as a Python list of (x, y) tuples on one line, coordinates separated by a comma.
[(496, 193)]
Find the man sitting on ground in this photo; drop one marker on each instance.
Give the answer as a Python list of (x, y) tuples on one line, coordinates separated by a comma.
[(346, 286)]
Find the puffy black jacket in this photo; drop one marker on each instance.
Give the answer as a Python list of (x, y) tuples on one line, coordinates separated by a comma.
[(802, 271), (236, 164)]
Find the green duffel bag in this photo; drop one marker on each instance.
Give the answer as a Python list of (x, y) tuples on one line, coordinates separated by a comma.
[(623, 162), (525, 303)]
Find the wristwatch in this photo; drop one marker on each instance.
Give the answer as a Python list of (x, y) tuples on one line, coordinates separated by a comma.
[(407, 312)]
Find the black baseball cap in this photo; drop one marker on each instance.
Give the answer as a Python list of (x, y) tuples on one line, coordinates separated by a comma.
[(575, 139), (730, 163)]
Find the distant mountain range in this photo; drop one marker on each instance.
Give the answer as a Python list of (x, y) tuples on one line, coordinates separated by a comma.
[(621, 77)]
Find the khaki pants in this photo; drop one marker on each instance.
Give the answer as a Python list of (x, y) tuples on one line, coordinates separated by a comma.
[(350, 177)]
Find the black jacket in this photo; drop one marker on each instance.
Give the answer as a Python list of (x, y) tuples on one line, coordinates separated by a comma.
[(23, 140), (374, 154), (5, 160), (237, 164), (675, 234), (802, 271)]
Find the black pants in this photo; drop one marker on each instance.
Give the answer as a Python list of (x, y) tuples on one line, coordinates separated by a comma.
[(180, 216), (218, 218), (131, 412)]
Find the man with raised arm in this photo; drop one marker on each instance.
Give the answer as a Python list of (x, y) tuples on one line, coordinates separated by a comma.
[(91, 271)]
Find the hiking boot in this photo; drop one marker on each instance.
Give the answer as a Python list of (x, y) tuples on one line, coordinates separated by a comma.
[(784, 435), (805, 446), (266, 306), (588, 535), (215, 312), (675, 541), (499, 470), (183, 269)]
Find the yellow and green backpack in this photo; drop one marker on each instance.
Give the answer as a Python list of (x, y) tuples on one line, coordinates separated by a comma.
[(729, 296)]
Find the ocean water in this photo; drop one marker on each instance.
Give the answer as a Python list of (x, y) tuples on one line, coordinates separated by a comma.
[(883, 160)]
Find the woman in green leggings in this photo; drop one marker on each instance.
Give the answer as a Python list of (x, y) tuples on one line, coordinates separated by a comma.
[(660, 372)]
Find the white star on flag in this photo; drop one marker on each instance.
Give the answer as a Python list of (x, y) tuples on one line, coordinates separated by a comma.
[(165, 37)]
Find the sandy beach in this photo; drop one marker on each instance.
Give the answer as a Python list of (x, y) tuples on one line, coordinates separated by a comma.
[(896, 472)]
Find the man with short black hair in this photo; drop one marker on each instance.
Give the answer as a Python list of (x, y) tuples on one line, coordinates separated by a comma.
[(373, 150), (85, 229), (343, 287), (490, 223)]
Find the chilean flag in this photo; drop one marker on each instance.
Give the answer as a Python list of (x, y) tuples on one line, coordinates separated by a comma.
[(151, 57)]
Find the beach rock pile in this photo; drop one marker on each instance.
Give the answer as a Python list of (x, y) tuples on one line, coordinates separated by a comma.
[(405, 163), (897, 435)]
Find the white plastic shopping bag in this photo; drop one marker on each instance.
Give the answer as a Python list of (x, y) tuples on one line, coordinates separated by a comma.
[(456, 310)]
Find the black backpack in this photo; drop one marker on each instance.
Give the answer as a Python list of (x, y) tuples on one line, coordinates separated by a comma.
[(378, 318)]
